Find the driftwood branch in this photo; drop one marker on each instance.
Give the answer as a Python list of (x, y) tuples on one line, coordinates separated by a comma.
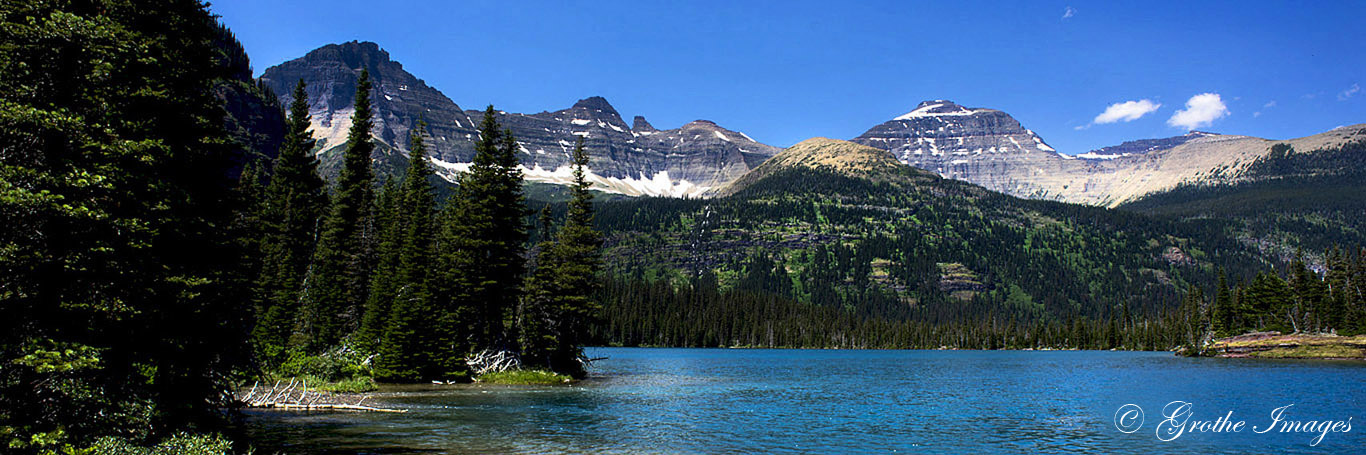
[(493, 361), (292, 397)]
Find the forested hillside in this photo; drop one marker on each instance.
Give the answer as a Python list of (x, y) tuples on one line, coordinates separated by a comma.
[(1287, 203), (820, 243)]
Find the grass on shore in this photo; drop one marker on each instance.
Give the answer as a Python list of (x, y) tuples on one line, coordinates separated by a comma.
[(1293, 346), (524, 377), (1300, 339), (1310, 352)]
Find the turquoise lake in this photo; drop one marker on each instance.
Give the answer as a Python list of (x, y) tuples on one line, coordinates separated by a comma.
[(642, 400)]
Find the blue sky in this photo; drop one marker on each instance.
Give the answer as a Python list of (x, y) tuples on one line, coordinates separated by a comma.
[(783, 71)]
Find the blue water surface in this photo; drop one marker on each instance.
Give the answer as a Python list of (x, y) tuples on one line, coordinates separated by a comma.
[(643, 400)]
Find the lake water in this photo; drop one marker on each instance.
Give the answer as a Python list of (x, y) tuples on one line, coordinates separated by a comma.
[(642, 400)]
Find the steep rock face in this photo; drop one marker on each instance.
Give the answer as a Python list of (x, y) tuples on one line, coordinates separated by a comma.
[(399, 99), (634, 160), (983, 146)]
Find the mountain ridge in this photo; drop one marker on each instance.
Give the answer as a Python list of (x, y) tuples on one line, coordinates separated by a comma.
[(634, 159), (990, 148), (980, 145)]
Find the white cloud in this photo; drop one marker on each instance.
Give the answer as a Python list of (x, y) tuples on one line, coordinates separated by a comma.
[(1069, 12), (1350, 92), (1201, 110), (1127, 111)]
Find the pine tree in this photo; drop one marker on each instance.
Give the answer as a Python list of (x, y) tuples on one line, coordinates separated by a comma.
[(384, 283), (1194, 316), (481, 246), (1305, 296), (1270, 303), (294, 200), (410, 348), (340, 278), (121, 298), (1335, 298), (560, 305), (1223, 317)]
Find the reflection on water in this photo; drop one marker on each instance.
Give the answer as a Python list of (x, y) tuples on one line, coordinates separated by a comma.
[(711, 400)]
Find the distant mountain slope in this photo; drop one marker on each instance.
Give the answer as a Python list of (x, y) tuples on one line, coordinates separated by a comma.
[(1289, 201), (824, 154), (633, 160), (841, 225), (990, 148), (1208, 159), (1141, 146)]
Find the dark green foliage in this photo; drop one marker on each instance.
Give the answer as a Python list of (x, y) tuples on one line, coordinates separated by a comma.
[(480, 250), (1193, 317), (410, 348), (121, 295), (560, 301), (918, 249), (1286, 201), (339, 280), (1303, 301), (384, 283), (293, 202), (642, 312), (1224, 316)]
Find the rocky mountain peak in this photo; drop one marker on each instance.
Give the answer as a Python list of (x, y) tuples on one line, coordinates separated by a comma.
[(356, 55), (984, 146), (595, 104), (399, 98), (640, 125), (625, 159), (936, 108), (704, 124)]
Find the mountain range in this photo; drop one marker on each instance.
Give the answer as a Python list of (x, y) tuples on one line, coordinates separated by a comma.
[(635, 159), (984, 146)]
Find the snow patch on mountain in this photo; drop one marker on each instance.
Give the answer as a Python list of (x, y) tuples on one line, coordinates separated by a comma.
[(660, 184)]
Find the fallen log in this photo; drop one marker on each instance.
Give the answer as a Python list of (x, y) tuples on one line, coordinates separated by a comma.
[(290, 397)]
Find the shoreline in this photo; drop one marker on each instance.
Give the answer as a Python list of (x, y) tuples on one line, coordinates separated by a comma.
[(1275, 345)]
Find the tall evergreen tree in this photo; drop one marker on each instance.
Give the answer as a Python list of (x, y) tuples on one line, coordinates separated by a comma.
[(483, 241), (389, 221), (293, 202), (340, 278), (410, 349), (121, 299), (560, 305), (1223, 314)]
